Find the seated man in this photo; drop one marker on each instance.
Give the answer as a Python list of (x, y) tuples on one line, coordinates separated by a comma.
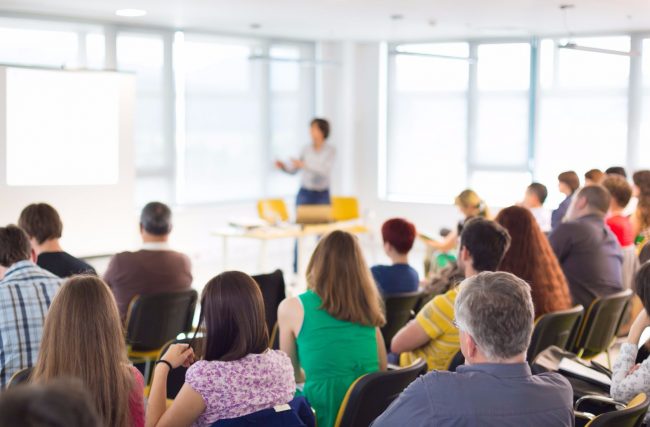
[(153, 269), (534, 199), (43, 225), (432, 336), (568, 184), (400, 277), (588, 251), (26, 291), (495, 387)]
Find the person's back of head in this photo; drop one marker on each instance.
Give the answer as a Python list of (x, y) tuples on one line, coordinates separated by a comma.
[(60, 403), (619, 189), (594, 177), (538, 191), (14, 246), (41, 222), (339, 275), (570, 180), (84, 316), (156, 219), (616, 170), (590, 200), (232, 313), (486, 242), (471, 204), (495, 311), (400, 234)]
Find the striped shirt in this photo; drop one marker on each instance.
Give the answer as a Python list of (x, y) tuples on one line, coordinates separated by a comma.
[(437, 320), (26, 292)]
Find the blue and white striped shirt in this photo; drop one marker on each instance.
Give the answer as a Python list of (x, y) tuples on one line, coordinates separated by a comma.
[(26, 292)]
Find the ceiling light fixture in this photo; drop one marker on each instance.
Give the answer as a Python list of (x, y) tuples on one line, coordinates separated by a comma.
[(575, 46), (131, 13)]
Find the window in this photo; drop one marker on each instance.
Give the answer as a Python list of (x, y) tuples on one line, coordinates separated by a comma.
[(582, 109), (643, 150), (427, 122)]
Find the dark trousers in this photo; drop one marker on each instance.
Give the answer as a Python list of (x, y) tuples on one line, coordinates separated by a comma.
[(309, 197)]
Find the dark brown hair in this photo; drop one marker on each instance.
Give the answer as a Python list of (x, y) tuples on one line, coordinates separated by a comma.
[(642, 181), (339, 275), (14, 245), (619, 189), (41, 221), (539, 190), (642, 285), (531, 258), (597, 197), (486, 241), (571, 179), (232, 315), (323, 125), (62, 403)]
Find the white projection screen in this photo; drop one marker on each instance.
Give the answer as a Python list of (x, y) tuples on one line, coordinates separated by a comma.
[(66, 139)]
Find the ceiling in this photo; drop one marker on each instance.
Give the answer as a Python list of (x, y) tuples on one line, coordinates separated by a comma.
[(362, 19)]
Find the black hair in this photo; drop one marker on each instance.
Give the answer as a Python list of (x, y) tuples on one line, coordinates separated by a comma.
[(616, 170), (156, 219), (486, 241)]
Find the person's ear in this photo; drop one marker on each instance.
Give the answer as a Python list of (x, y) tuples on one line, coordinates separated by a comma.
[(581, 203), (470, 345), (464, 254), (33, 256)]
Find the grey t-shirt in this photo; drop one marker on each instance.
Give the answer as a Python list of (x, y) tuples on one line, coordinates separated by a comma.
[(316, 175)]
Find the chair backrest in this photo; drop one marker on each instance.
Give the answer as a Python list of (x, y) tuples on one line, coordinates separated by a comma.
[(272, 210), (399, 308), (296, 413), (176, 377), (155, 319), (20, 377), (600, 324), (554, 329), (345, 208), (273, 292), (369, 396), (456, 361), (425, 297), (631, 416)]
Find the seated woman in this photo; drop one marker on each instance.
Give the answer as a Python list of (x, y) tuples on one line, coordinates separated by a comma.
[(399, 277), (82, 338), (628, 378), (332, 330), (531, 258), (238, 374)]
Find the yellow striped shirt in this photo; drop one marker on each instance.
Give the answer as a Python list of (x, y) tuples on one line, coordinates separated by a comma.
[(436, 318)]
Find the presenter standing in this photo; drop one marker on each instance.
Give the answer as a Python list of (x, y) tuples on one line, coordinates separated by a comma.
[(315, 162)]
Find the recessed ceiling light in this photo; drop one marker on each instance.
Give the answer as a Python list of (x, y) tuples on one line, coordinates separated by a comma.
[(130, 13), (396, 17)]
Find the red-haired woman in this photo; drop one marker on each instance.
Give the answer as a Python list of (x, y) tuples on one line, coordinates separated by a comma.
[(531, 257)]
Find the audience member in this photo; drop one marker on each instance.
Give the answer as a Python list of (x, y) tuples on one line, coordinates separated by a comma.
[(25, 294), (641, 217), (82, 338), (531, 258), (616, 170), (568, 183), (534, 199), (332, 330), (588, 251), (153, 269), (628, 378), (238, 374), (495, 387), (594, 177), (62, 403), (400, 277), (43, 225), (620, 192), (471, 206), (432, 336)]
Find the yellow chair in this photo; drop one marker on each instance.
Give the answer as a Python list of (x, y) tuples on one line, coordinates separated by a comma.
[(345, 208), (630, 415), (272, 210)]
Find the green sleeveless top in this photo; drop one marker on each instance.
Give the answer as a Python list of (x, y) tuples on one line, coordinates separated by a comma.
[(333, 353)]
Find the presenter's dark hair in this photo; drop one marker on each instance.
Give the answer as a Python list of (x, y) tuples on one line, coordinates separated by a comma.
[(232, 316), (156, 219), (41, 221), (323, 125), (14, 245)]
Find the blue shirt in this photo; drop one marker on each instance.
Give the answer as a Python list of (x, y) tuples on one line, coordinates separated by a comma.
[(558, 214), (483, 395), (395, 279), (26, 292)]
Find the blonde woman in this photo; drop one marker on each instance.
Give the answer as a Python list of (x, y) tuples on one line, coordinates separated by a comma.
[(82, 338), (331, 332)]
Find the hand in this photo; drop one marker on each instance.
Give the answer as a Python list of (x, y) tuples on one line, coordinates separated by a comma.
[(641, 322), (297, 163), (179, 355), (280, 165)]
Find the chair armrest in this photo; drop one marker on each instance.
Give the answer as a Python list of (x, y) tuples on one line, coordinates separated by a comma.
[(600, 399), (583, 415)]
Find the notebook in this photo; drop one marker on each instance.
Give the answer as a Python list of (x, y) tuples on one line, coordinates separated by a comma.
[(581, 371)]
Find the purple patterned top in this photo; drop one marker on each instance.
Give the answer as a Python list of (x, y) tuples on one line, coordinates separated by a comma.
[(241, 387)]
